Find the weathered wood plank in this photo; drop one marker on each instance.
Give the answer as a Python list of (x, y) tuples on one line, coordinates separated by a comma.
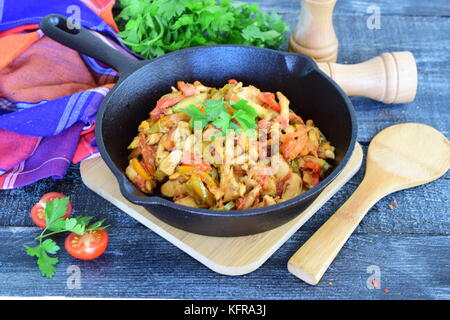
[(429, 42), (417, 26), (428, 39), (422, 210), (15, 204), (436, 8), (138, 263), (409, 244), (403, 8), (430, 107)]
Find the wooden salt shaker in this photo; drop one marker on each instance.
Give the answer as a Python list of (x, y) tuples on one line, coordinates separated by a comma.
[(314, 34)]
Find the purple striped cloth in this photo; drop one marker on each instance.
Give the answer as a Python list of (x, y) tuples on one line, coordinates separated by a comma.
[(40, 133)]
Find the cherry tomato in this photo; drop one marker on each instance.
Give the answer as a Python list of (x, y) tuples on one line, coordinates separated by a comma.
[(37, 212), (88, 246)]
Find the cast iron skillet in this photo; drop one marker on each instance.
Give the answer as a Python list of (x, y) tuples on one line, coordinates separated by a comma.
[(313, 96)]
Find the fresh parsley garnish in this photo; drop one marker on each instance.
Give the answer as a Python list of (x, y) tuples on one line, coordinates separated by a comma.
[(221, 114), (154, 27), (54, 213), (223, 121)]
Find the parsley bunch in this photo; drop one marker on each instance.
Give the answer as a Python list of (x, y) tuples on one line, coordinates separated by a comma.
[(54, 213), (154, 27), (217, 113)]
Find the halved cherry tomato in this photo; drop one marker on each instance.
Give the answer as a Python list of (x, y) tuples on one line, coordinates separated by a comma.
[(38, 210), (88, 246)]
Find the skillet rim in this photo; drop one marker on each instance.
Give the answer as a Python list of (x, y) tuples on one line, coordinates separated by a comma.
[(149, 200)]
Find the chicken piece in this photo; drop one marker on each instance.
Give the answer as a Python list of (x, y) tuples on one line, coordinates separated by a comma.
[(180, 135), (253, 152), (199, 87), (143, 185), (153, 138), (166, 140), (250, 183), (251, 198), (269, 186), (242, 189), (329, 154), (228, 184), (284, 107), (249, 93), (268, 201), (281, 167), (210, 132), (161, 154), (262, 175), (243, 143), (173, 188), (253, 97), (130, 172), (188, 144), (218, 147), (289, 129), (240, 160), (275, 138), (293, 187), (187, 201), (169, 164), (230, 91)]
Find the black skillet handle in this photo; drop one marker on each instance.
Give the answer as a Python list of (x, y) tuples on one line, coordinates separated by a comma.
[(82, 40)]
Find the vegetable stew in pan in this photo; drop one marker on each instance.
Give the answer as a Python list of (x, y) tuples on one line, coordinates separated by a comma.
[(227, 149)]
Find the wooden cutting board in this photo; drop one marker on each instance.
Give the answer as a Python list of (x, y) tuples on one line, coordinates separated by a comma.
[(228, 256)]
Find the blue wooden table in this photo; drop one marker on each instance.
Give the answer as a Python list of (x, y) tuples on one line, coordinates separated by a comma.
[(409, 246)]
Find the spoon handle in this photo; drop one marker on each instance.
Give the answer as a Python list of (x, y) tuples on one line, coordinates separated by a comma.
[(311, 261)]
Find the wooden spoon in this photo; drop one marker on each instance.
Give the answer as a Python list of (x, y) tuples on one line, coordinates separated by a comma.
[(399, 157)]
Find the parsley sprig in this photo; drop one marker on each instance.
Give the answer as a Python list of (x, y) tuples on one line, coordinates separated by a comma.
[(154, 27), (54, 213), (217, 112)]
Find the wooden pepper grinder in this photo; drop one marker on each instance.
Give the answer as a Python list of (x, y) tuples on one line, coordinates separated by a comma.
[(390, 77), (314, 34)]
